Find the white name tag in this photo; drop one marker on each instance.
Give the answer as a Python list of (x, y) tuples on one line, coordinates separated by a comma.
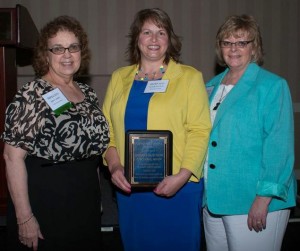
[(156, 86), (57, 101)]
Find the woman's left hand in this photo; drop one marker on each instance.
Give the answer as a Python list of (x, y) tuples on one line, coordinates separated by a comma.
[(257, 216), (171, 184)]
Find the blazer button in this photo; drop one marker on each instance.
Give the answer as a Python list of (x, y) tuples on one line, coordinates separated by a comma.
[(214, 143), (212, 166)]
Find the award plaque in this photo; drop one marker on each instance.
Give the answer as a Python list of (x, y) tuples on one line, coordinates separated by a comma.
[(148, 157)]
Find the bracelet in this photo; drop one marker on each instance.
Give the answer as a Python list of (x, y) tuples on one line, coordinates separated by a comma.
[(24, 222)]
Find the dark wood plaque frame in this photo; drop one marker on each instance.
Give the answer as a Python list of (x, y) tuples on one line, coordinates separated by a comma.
[(130, 139)]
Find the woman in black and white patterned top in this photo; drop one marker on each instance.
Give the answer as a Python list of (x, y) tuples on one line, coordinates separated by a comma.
[(54, 136)]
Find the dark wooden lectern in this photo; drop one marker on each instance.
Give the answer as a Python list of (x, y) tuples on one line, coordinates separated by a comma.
[(18, 36)]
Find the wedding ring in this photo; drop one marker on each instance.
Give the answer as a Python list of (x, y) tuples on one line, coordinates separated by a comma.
[(258, 222)]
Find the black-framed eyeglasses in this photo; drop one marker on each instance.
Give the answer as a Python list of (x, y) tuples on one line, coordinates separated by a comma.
[(58, 50), (238, 44)]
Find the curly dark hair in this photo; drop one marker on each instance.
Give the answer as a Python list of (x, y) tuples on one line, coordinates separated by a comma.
[(162, 20), (61, 23), (236, 26)]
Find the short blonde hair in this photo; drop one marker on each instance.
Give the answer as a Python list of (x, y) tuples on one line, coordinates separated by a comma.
[(239, 26)]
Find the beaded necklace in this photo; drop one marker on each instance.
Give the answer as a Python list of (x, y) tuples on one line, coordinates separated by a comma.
[(146, 75)]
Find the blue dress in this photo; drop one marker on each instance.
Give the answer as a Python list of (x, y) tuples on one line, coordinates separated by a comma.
[(149, 222)]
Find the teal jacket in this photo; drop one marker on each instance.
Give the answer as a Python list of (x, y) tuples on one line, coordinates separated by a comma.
[(251, 147)]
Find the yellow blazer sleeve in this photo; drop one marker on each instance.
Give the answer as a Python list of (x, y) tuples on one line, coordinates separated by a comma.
[(114, 105), (184, 110)]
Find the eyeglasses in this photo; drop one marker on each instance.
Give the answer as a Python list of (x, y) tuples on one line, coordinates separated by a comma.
[(238, 44), (58, 50)]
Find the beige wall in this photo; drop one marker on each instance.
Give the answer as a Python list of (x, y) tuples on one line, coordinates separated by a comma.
[(107, 23)]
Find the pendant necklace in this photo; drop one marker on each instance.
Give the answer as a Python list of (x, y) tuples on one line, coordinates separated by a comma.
[(220, 99), (146, 75)]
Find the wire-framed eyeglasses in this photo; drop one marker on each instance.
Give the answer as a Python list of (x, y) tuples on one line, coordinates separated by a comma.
[(58, 50), (238, 44)]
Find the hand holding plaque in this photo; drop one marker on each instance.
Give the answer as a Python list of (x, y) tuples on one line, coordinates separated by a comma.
[(148, 157)]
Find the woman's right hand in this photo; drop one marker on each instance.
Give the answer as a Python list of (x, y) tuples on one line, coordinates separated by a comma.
[(116, 170), (29, 233), (16, 175), (118, 178)]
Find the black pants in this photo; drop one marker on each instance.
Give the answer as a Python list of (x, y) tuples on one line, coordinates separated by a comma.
[(65, 199)]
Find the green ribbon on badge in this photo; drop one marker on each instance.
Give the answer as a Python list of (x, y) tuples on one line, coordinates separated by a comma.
[(63, 108)]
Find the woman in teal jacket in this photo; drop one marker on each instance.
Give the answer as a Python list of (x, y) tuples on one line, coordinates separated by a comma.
[(249, 180)]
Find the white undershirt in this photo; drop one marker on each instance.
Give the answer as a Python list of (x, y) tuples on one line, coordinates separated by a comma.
[(220, 96), (222, 91)]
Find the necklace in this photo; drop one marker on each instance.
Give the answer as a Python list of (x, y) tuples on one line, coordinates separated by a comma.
[(146, 75), (220, 99)]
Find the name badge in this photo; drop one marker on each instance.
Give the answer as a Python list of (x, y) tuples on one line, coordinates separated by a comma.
[(156, 86), (209, 90), (57, 101)]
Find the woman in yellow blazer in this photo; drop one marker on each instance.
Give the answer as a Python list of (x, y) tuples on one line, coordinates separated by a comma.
[(167, 218)]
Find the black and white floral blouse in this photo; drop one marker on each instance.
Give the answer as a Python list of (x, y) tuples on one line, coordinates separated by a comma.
[(77, 133)]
